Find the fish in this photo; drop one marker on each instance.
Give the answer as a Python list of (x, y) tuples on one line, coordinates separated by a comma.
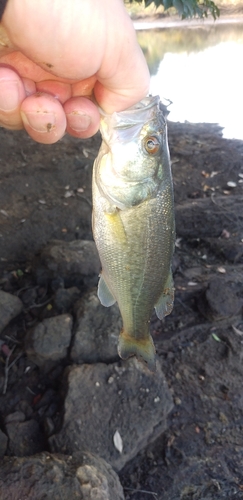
[(133, 222)]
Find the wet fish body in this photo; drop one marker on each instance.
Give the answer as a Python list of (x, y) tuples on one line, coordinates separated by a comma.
[(133, 222)]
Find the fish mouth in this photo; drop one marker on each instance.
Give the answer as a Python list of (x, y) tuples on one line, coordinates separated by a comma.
[(142, 112), (133, 124), (148, 102)]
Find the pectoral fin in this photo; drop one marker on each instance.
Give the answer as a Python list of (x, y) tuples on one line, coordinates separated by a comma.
[(164, 305), (116, 227), (104, 294)]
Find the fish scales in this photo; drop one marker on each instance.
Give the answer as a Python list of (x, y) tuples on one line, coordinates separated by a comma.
[(133, 222)]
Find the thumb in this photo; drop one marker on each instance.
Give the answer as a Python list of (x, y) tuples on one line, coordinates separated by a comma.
[(128, 80)]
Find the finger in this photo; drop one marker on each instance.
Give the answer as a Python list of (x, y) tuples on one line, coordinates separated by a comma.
[(5, 44), (83, 117), (27, 68), (62, 91), (84, 87), (123, 81), (12, 93), (29, 86), (58, 36), (43, 118), (127, 85)]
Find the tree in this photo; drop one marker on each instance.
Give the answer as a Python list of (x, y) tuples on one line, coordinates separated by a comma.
[(186, 8)]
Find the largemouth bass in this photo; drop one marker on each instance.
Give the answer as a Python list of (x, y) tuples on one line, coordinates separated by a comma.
[(133, 222)]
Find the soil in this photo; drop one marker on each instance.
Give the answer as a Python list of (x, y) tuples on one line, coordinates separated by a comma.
[(46, 195)]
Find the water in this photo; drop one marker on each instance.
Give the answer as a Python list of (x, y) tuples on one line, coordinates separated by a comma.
[(200, 69)]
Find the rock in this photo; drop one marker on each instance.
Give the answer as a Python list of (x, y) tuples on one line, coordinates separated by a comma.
[(83, 476), (24, 407), (17, 416), (10, 306), (49, 426), (76, 262), (65, 298), (103, 400), (96, 331), (48, 398), (3, 444), (29, 297), (25, 438), (222, 299), (48, 342)]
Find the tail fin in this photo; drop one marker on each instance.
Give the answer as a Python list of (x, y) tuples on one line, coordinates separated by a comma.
[(141, 348)]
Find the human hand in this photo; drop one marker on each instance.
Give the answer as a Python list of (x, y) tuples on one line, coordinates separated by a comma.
[(57, 58)]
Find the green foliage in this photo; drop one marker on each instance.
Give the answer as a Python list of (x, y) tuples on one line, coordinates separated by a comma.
[(186, 8)]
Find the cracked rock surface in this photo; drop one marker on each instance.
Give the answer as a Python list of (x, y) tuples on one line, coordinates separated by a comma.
[(135, 403), (83, 476)]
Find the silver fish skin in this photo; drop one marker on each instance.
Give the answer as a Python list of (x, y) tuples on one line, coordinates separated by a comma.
[(133, 222)]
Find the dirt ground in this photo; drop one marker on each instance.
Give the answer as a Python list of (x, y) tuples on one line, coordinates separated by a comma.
[(45, 194)]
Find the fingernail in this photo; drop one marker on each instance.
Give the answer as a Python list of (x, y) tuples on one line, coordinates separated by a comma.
[(9, 95), (40, 122), (78, 122)]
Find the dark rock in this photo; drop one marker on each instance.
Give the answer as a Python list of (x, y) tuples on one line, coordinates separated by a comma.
[(103, 401), (65, 298), (48, 342), (83, 476), (17, 416), (49, 426), (25, 438), (52, 409), (29, 296), (57, 283), (10, 307), (3, 444), (48, 397), (96, 331), (48, 403), (221, 299), (76, 262), (24, 407)]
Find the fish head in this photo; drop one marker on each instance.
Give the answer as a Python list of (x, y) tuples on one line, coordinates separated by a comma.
[(133, 154)]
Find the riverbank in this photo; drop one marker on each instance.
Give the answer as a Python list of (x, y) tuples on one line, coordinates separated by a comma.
[(46, 195), (152, 18)]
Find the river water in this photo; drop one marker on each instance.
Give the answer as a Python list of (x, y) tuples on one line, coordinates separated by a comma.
[(199, 69)]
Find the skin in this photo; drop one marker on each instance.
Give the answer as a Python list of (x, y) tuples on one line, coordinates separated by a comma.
[(59, 59)]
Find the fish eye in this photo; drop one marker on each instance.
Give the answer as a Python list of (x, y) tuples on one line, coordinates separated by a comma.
[(151, 145)]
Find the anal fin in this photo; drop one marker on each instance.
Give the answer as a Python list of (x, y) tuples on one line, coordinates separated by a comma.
[(104, 293), (164, 305)]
